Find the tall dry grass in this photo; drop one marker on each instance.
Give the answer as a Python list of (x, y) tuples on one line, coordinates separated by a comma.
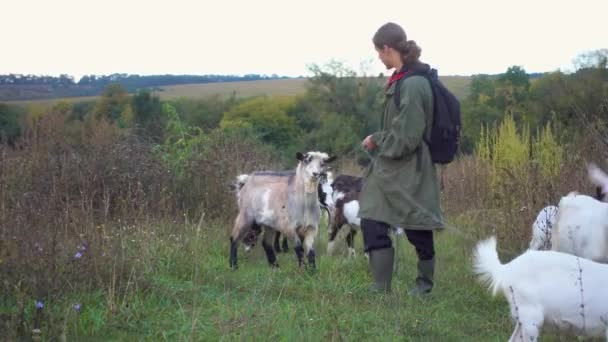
[(75, 195), (481, 198)]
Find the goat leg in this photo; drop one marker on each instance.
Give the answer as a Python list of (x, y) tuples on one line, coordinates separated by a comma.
[(233, 253)]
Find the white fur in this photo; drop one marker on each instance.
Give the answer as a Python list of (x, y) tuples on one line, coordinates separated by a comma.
[(598, 177), (544, 287), (267, 214), (581, 228), (337, 195), (240, 182), (351, 212), (542, 227), (351, 215), (327, 189)]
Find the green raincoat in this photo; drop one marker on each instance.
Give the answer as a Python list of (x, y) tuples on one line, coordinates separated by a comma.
[(401, 186)]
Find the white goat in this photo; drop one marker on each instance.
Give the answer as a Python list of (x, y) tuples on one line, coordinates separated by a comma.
[(286, 202), (547, 217), (560, 290), (581, 227)]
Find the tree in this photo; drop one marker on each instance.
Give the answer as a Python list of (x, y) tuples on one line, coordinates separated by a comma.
[(335, 88), (205, 113), (113, 103), (267, 118), (512, 90), (10, 129), (597, 59), (336, 135), (148, 115), (482, 90)]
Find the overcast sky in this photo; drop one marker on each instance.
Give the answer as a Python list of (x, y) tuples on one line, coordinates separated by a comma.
[(462, 37)]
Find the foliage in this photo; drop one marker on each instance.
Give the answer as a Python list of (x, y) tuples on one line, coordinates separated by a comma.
[(204, 113), (114, 105), (181, 142), (148, 115), (10, 128), (268, 120)]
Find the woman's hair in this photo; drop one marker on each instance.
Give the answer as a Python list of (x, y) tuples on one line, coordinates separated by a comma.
[(393, 35)]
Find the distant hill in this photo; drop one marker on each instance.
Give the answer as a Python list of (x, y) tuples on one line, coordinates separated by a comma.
[(26, 88), (285, 86), (32, 87)]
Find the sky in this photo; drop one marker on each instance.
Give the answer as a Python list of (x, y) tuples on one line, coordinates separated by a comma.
[(78, 37)]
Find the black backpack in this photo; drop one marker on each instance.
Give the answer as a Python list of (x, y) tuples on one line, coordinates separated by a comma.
[(445, 133)]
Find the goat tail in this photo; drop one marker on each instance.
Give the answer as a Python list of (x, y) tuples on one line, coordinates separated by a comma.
[(241, 180), (597, 176), (486, 264)]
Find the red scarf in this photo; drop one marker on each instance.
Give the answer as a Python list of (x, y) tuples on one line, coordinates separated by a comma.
[(395, 77)]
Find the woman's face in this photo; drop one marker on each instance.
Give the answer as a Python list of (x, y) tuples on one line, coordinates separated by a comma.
[(386, 56)]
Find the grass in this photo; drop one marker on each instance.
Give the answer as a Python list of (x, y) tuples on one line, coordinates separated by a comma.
[(288, 87), (190, 294)]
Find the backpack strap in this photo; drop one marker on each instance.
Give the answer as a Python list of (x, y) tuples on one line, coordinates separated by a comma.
[(430, 75)]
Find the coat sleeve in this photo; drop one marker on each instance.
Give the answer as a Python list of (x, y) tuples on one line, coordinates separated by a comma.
[(407, 129)]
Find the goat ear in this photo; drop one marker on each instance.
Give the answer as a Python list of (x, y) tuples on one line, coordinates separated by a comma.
[(331, 159), (299, 156)]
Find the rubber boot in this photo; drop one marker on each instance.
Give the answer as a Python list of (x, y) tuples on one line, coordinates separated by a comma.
[(381, 267), (424, 280)]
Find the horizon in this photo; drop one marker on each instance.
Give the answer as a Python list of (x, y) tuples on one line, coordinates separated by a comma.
[(273, 37)]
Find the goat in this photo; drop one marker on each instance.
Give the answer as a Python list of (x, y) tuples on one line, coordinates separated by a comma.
[(325, 201), (293, 211), (345, 192), (561, 290), (581, 227), (546, 218)]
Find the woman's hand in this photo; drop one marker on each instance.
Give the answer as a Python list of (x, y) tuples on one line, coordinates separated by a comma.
[(369, 144)]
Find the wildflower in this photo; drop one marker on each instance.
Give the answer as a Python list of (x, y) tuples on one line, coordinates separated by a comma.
[(39, 304), (81, 247), (76, 307), (78, 255)]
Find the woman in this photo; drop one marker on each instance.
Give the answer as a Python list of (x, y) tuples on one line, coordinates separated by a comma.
[(401, 188)]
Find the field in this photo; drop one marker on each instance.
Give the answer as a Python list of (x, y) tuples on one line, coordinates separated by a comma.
[(101, 241), (289, 87), (192, 295)]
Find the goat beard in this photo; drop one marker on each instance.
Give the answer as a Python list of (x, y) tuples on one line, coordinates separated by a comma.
[(310, 186)]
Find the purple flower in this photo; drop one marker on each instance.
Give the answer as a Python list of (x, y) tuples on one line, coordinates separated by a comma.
[(78, 255), (76, 307), (39, 304)]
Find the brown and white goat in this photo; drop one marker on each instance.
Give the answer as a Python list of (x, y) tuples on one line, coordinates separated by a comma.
[(284, 202), (345, 195), (281, 245), (346, 190)]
